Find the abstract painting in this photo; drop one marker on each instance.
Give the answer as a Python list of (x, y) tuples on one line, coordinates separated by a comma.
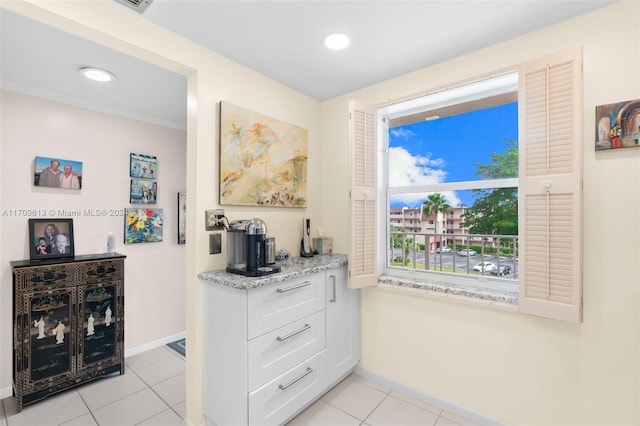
[(143, 166), (182, 217), (618, 125), (263, 161), (142, 225), (143, 191)]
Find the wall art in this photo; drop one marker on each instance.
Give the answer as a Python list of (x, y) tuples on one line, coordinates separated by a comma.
[(618, 125), (143, 166), (263, 161), (182, 217), (50, 238), (143, 191), (142, 225), (57, 173)]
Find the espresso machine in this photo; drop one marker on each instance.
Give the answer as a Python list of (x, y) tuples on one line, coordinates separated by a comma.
[(249, 251)]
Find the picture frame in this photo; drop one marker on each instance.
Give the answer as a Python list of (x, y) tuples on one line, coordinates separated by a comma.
[(143, 166), (143, 191), (182, 217), (57, 173), (263, 160), (618, 125), (143, 225), (51, 239)]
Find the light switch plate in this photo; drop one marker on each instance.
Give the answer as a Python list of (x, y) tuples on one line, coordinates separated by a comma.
[(215, 243)]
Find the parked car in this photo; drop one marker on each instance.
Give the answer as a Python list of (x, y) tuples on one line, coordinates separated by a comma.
[(465, 252), (504, 270), (486, 266), (444, 250)]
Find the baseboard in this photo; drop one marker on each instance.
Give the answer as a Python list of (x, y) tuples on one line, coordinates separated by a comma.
[(8, 391), (430, 399), (152, 345)]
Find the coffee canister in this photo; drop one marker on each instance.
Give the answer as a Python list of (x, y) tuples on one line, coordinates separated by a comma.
[(270, 251)]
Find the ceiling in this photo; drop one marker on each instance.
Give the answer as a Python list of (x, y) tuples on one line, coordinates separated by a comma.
[(280, 39)]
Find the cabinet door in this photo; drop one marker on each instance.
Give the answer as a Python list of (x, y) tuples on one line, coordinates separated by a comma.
[(99, 315), (48, 333), (343, 324)]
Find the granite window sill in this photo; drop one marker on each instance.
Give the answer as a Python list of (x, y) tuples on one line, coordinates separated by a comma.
[(500, 298)]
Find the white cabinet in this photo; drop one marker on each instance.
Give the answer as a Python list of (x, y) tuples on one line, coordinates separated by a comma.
[(271, 349), (343, 325)]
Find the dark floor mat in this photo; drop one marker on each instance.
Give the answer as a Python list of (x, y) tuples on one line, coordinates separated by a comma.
[(178, 346)]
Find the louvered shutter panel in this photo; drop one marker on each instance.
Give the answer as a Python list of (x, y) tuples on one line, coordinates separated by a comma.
[(550, 102), (362, 189)]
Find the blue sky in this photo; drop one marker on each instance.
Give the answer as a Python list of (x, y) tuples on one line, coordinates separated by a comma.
[(444, 150), (44, 162)]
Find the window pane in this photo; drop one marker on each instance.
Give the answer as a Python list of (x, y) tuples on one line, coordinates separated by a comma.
[(449, 149)]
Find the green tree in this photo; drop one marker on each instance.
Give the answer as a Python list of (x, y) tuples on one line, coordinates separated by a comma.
[(436, 203), (495, 211)]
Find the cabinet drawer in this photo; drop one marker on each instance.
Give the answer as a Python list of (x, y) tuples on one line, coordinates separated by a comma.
[(273, 306), (278, 400), (276, 352), (45, 276), (106, 270)]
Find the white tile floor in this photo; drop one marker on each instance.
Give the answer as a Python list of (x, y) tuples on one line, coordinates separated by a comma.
[(152, 392)]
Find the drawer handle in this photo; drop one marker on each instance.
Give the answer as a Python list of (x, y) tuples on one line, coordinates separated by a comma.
[(333, 298), (293, 287), (297, 379), (290, 335)]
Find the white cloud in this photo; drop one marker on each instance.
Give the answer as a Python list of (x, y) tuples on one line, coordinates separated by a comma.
[(407, 170), (401, 132)]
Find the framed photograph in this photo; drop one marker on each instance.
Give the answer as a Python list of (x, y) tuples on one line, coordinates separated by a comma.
[(182, 217), (618, 125), (143, 191), (57, 173), (50, 238), (143, 225), (143, 166)]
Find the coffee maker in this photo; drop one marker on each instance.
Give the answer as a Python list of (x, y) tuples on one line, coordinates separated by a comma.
[(246, 247)]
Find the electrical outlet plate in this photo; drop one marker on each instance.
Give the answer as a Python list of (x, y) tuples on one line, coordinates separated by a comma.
[(213, 220)]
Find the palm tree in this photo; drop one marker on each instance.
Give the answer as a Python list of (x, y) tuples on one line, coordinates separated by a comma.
[(436, 203)]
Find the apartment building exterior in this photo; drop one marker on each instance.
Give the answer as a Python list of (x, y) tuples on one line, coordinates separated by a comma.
[(413, 221)]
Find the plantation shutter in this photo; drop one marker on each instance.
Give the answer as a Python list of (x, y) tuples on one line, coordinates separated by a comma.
[(550, 116), (362, 191)]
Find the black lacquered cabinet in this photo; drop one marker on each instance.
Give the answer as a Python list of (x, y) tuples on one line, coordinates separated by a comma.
[(68, 323)]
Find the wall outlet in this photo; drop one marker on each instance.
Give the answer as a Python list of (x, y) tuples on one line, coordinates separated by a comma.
[(213, 220)]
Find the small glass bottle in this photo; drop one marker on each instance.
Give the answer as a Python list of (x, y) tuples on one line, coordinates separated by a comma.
[(111, 244)]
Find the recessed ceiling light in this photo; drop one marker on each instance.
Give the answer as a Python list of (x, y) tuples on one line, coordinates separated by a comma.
[(336, 41), (97, 74)]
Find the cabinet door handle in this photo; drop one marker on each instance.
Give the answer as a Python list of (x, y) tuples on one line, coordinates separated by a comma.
[(293, 287), (297, 379), (333, 284), (293, 333)]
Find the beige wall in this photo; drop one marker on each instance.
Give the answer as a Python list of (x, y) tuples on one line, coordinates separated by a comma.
[(155, 272), (512, 367)]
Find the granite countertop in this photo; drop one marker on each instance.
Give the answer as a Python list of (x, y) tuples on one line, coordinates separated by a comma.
[(291, 268)]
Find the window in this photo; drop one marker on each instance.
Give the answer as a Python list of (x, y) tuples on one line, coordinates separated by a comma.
[(549, 189), (454, 152)]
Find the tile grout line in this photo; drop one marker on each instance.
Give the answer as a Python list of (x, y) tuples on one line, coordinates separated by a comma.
[(376, 407), (88, 409)]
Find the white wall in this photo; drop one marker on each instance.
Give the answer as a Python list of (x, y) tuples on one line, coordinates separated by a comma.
[(154, 272), (508, 366)]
